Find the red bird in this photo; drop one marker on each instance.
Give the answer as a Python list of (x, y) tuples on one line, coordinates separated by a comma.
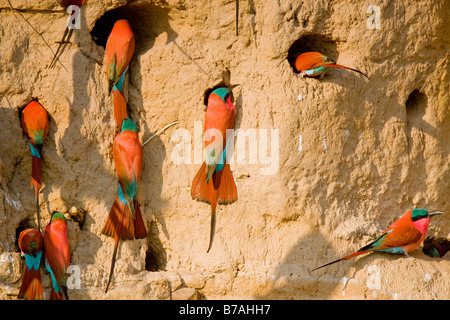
[(31, 245), (125, 219), (68, 31), (214, 181), (436, 248), (57, 255), (313, 64), (119, 50), (403, 236), (120, 105), (35, 125)]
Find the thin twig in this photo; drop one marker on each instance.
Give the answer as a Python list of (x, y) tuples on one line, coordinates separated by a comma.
[(40, 35), (160, 131), (237, 17)]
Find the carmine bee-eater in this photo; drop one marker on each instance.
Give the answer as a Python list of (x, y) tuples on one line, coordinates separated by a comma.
[(214, 183), (119, 50), (68, 31), (31, 244), (313, 64), (125, 219), (57, 255), (35, 125), (436, 248), (403, 236)]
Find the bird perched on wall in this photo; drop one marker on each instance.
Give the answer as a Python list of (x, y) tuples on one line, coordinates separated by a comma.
[(35, 124), (31, 244), (436, 248), (214, 183), (125, 219), (69, 30), (57, 255), (313, 64), (119, 50), (403, 236)]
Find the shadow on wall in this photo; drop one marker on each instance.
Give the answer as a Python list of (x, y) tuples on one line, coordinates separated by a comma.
[(16, 215), (416, 128), (292, 278)]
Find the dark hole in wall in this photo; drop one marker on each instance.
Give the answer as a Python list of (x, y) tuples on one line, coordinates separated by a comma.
[(312, 43), (24, 224), (415, 106), (416, 102), (436, 247), (147, 21), (103, 27), (151, 261), (155, 257)]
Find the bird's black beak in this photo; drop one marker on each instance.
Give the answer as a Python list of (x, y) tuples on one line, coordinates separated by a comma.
[(434, 213)]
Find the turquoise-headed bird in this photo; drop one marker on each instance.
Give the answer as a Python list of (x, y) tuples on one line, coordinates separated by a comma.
[(313, 64), (403, 236), (119, 51), (35, 124), (436, 248), (57, 255), (125, 219), (31, 243), (214, 183), (67, 31)]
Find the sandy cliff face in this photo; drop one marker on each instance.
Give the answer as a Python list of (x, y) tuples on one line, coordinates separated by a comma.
[(340, 158)]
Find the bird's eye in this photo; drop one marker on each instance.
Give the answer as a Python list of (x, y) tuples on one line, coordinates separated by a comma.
[(418, 217)]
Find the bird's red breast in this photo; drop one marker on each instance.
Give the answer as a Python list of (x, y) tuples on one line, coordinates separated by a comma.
[(219, 115), (405, 233)]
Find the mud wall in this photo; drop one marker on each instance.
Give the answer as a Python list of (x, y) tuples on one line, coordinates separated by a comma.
[(340, 158)]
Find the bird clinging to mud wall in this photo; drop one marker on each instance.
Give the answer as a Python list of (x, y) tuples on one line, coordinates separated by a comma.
[(57, 255), (403, 236), (125, 218), (31, 244), (214, 183), (35, 124)]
